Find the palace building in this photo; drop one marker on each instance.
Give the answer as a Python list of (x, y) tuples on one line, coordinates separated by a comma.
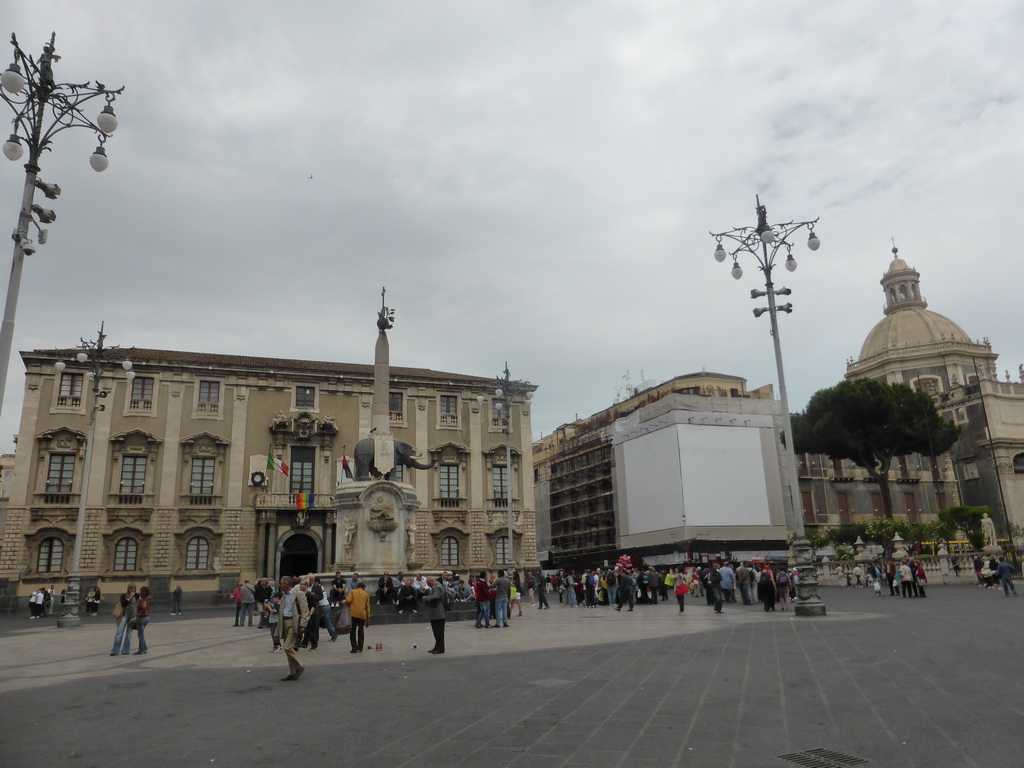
[(179, 489)]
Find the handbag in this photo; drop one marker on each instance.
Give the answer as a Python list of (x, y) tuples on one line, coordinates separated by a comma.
[(343, 620), (118, 611), (682, 589)]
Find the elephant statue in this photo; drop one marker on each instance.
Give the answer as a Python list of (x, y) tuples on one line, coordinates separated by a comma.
[(365, 470)]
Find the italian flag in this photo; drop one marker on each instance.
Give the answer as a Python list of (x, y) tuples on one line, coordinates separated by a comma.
[(275, 463)]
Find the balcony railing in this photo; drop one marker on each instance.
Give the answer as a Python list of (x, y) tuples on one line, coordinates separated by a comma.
[(287, 500), (207, 407), (201, 500), (141, 405), (449, 419), (69, 401), (58, 498), (396, 417), (449, 503)]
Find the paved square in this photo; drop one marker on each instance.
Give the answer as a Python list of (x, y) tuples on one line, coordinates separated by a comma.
[(924, 682)]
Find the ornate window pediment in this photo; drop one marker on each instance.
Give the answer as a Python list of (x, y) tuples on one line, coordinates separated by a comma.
[(449, 452), (204, 444), (135, 441), (61, 439)]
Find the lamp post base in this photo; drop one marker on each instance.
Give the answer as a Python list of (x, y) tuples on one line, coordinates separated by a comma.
[(69, 617), (808, 603)]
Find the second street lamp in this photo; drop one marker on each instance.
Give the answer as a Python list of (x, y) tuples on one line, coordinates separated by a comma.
[(97, 360), (766, 243)]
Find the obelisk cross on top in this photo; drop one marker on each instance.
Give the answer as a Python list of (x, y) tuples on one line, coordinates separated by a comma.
[(380, 422)]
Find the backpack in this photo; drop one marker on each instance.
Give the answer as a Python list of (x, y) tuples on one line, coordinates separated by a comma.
[(783, 579)]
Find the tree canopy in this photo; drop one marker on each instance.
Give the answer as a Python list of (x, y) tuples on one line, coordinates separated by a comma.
[(870, 423)]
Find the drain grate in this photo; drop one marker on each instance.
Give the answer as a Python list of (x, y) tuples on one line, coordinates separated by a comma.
[(822, 758)]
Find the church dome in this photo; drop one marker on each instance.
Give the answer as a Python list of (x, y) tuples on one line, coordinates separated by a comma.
[(911, 327), (908, 322)]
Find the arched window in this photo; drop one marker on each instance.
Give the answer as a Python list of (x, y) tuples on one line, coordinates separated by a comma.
[(1018, 464), (913, 290), (51, 555), (501, 550), (892, 295), (903, 292), (197, 555), (125, 554), (449, 552)]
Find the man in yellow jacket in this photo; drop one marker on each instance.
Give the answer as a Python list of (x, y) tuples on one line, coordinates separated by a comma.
[(359, 603)]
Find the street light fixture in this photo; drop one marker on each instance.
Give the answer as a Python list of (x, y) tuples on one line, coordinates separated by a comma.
[(765, 243), (506, 391), (42, 109), (99, 359)]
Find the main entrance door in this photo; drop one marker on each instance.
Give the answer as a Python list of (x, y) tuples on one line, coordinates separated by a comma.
[(299, 556)]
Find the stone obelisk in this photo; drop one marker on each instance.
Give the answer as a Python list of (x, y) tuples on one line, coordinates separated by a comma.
[(380, 421)]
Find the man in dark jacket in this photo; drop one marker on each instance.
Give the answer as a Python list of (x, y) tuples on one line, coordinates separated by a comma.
[(715, 583), (434, 602)]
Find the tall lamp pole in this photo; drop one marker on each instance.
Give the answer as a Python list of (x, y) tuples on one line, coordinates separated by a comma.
[(506, 391), (42, 109), (765, 243), (97, 359)]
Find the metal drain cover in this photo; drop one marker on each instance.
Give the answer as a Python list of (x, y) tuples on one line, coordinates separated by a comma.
[(822, 758)]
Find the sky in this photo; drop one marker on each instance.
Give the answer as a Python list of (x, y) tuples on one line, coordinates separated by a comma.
[(534, 182)]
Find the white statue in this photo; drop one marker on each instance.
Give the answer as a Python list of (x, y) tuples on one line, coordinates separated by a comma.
[(350, 533), (988, 527)]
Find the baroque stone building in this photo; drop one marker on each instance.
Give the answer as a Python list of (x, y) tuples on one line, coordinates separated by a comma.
[(925, 350), (180, 493)]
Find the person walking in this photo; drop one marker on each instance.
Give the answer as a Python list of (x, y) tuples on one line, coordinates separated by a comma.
[(238, 604), (482, 595), (906, 579), (434, 602), (728, 582), (128, 602), (359, 603), (292, 625), (782, 586), (502, 590), (540, 591), (766, 590), (1005, 573), (681, 588), (715, 582), (176, 601), (142, 618), (248, 603), (627, 590)]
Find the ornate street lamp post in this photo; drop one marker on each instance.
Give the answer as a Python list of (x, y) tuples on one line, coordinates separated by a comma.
[(506, 391), (765, 243), (97, 359), (42, 109)]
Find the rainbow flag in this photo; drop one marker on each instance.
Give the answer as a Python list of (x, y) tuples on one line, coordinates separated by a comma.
[(304, 500)]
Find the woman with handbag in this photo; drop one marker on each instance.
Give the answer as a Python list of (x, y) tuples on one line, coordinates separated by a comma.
[(681, 588), (142, 618), (125, 610)]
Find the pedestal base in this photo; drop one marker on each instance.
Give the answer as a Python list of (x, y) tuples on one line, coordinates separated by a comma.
[(809, 609)]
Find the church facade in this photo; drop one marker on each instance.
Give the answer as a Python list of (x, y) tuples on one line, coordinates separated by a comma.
[(181, 492), (915, 346)]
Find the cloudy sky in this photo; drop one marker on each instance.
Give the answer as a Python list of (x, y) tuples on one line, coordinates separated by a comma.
[(533, 181)]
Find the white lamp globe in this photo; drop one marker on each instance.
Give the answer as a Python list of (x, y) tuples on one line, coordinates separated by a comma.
[(737, 271), (12, 79), (98, 160), (107, 121), (767, 236), (719, 254), (81, 357), (59, 366), (813, 242), (13, 149)]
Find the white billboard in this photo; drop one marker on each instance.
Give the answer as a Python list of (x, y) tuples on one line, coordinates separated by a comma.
[(696, 475)]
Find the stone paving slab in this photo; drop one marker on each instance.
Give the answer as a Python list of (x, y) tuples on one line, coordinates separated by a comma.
[(926, 682)]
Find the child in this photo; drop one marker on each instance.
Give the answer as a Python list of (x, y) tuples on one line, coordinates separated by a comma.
[(271, 607)]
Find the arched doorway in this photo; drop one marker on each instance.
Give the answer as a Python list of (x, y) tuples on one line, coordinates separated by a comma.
[(299, 556)]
